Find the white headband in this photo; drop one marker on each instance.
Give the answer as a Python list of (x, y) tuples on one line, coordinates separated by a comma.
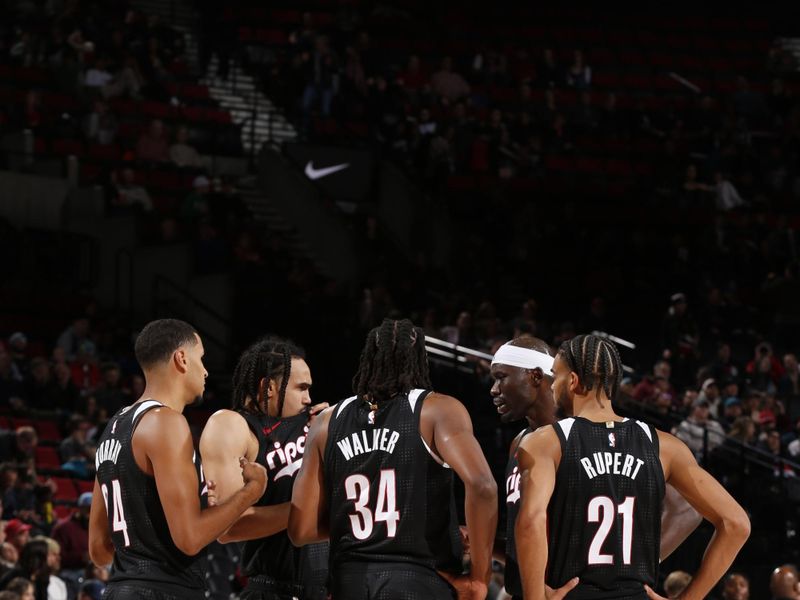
[(525, 358)]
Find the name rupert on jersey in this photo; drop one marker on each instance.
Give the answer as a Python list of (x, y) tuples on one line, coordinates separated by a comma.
[(611, 463), (365, 441)]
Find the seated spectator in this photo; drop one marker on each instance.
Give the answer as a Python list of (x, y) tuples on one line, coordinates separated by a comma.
[(692, 430), (129, 196), (709, 392), (735, 587), (100, 125), (72, 533), (579, 75), (548, 73), (65, 394), (71, 337), (789, 383), (18, 534), (23, 587), (728, 197), (322, 76), (18, 446), (732, 412), (76, 446), (784, 583), (18, 350), (152, 145), (111, 395), (56, 587), (448, 84), (39, 389), (92, 590), (675, 583), (183, 154), (127, 81), (8, 557), (98, 75), (85, 372), (10, 378)]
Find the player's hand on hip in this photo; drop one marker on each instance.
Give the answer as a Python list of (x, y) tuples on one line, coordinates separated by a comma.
[(315, 409), (561, 592), (466, 588), (254, 475), (652, 595)]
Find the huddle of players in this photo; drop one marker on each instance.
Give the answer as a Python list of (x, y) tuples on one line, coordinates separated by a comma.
[(356, 500)]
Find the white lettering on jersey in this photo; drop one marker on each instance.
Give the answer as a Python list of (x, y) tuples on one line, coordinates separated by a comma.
[(611, 463), (365, 441), (512, 486), (108, 451), (287, 458)]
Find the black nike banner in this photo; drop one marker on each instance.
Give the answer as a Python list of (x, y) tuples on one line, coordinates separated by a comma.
[(341, 173)]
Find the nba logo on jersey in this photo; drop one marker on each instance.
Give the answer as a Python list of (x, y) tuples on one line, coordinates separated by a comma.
[(612, 440), (371, 417)]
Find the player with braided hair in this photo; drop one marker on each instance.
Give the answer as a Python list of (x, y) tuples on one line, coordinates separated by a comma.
[(377, 479), (268, 424), (522, 378), (598, 481)]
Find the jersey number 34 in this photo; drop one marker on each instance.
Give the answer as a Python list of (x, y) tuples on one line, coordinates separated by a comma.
[(362, 522)]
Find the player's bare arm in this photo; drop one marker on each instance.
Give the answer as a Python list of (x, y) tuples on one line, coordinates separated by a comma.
[(447, 426), (538, 455), (163, 445), (226, 437), (308, 516), (711, 500), (101, 547), (678, 521)]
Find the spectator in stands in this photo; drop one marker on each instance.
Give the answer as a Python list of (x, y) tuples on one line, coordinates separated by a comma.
[(18, 350), (784, 583), (680, 337), (18, 534), (56, 588), (792, 441), (789, 383), (100, 125), (723, 366), (98, 75), (75, 446), (727, 196), (129, 195), (72, 533), (33, 565), (765, 370), (71, 338), (732, 412), (40, 385), (65, 394), (151, 63), (743, 430), (23, 587), (10, 377), (321, 78), (692, 430), (152, 145), (92, 590), (709, 392), (183, 154), (85, 372), (676, 582), (413, 79), (111, 395), (579, 74), (18, 446), (736, 587), (8, 556), (548, 73), (448, 84)]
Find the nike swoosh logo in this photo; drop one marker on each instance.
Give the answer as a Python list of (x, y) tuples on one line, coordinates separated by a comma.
[(313, 173), (268, 430)]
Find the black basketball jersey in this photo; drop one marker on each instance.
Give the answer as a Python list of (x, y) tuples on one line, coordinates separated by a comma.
[(144, 553), (281, 443), (390, 500), (604, 518), (513, 581)]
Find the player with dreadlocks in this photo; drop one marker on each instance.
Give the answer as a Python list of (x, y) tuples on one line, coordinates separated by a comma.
[(522, 377), (268, 424), (377, 479), (598, 480)]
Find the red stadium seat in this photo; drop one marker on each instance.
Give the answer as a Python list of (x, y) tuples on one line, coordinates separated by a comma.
[(47, 457), (63, 511), (66, 489), (83, 485), (48, 430)]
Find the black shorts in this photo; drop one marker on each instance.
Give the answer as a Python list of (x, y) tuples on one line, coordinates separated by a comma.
[(388, 581), (262, 587), (128, 591)]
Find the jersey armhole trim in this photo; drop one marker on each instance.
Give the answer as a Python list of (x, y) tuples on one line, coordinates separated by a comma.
[(340, 407)]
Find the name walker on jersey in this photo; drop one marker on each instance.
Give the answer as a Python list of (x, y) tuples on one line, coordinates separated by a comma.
[(365, 441)]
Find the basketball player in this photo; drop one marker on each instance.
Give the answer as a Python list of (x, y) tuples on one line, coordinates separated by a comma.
[(522, 374), (148, 508), (269, 423), (592, 491), (377, 478)]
